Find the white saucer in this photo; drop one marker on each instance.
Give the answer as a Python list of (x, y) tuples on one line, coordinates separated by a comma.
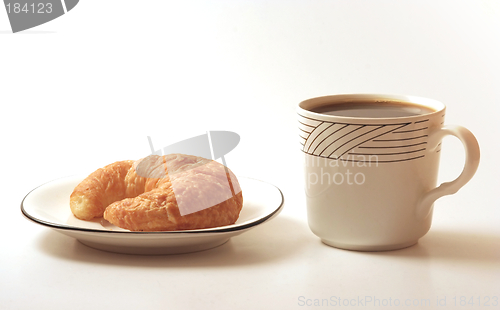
[(48, 205)]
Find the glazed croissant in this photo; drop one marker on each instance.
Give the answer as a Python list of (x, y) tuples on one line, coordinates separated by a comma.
[(160, 193)]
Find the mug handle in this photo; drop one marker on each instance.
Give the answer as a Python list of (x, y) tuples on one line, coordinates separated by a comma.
[(472, 155)]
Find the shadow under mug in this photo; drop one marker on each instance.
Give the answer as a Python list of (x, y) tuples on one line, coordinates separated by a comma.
[(371, 181)]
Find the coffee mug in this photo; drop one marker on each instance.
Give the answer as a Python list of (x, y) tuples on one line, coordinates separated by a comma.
[(371, 165)]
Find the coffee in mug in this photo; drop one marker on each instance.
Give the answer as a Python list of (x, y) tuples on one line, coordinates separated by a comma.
[(371, 164)]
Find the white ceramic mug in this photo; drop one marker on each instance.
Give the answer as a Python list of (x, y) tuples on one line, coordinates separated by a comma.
[(371, 180)]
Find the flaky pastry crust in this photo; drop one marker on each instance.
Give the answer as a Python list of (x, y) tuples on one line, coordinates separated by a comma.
[(160, 193)]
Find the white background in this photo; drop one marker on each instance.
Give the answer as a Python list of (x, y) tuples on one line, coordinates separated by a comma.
[(87, 89)]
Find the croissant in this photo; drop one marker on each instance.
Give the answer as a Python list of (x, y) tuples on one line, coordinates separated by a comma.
[(160, 193)]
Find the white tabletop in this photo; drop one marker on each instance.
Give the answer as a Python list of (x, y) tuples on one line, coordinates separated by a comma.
[(87, 89)]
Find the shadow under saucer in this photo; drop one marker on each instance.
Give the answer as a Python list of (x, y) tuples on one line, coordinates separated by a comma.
[(278, 239)]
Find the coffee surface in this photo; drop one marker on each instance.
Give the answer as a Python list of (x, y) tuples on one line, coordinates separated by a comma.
[(373, 109)]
